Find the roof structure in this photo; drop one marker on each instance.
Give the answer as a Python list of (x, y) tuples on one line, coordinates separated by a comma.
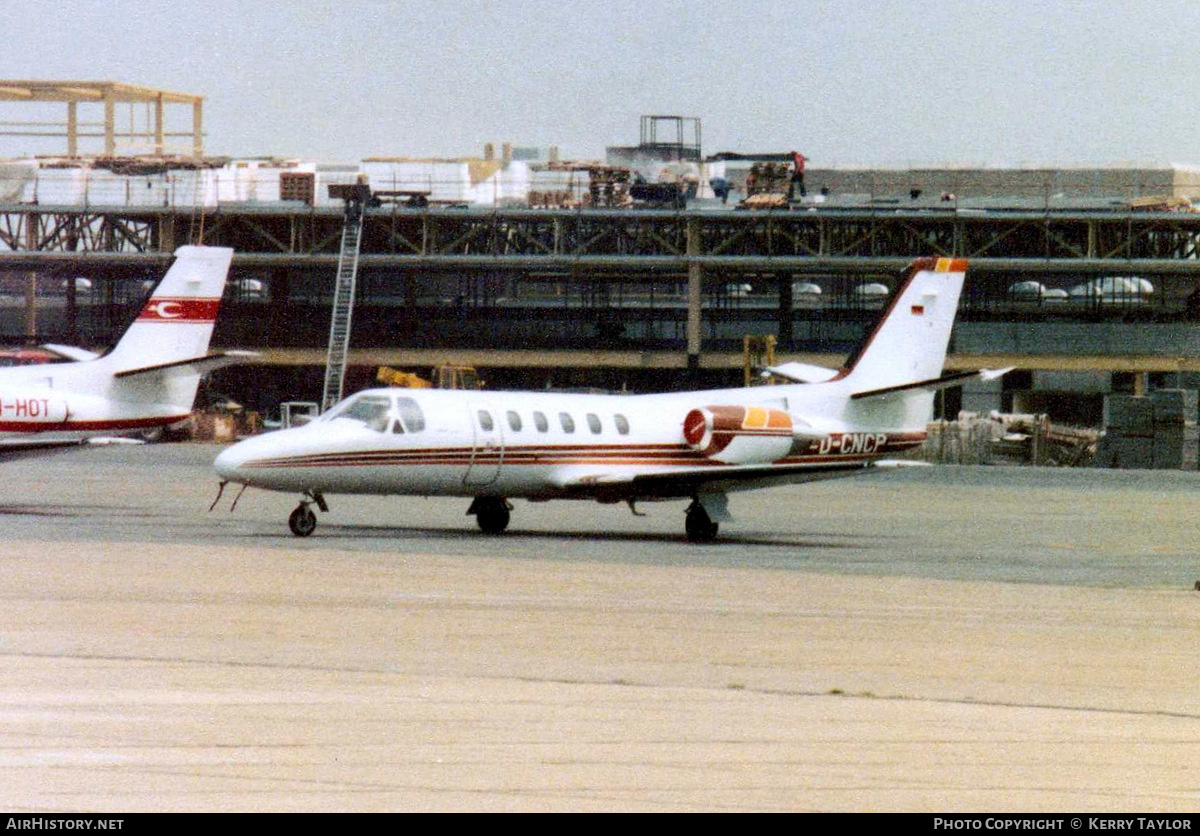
[(108, 94)]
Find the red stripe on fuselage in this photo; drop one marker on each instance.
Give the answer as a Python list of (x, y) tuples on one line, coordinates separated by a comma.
[(677, 455), (87, 426)]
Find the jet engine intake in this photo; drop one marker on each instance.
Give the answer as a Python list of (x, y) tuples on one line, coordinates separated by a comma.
[(740, 434)]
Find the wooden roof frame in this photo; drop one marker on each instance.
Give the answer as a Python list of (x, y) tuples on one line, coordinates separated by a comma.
[(108, 93)]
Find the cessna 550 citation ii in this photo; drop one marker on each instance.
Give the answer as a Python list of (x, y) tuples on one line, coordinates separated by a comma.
[(494, 446), (147, 380)]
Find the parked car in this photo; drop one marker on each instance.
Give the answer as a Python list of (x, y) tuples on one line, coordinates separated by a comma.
[(1031, 291), (1114, 289)]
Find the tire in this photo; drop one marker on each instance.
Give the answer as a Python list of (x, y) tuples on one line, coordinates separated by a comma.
[(699, 527), (303, 521), (493, 516)]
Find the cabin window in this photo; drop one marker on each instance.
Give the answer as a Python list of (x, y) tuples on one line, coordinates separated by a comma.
[(411, 414), (396, 428), (514, 421), (373, 412), (622, 423), (485, 421), (568, 423), (539, 420), (594, 422)]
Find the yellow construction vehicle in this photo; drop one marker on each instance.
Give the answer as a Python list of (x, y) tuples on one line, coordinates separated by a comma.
[(450, 376), (445, 376), (405, 380)]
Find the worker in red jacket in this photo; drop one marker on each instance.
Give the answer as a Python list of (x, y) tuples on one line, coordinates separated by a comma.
[(798, 161)]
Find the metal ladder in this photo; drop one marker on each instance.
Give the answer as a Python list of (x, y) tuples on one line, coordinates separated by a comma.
[(343, 296)]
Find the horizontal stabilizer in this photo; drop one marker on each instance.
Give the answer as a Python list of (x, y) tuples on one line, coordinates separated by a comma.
[(934, 384), (196, 365), (802, 372), (70, 352)]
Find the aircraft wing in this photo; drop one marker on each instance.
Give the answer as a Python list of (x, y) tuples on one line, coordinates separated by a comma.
[(13, 448), (620, 485), (196, 365)]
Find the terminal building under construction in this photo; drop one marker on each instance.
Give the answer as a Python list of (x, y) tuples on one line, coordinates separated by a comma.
[(645, 270)]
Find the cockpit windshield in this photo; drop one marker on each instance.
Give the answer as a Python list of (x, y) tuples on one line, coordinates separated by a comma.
[(376, 413), (373, 411), (411, 414)]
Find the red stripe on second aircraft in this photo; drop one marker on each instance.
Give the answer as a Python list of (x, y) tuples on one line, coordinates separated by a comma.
[(87, 426), (188, 310)]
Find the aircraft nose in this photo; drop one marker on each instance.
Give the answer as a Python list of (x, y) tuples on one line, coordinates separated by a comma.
[(229, 463)]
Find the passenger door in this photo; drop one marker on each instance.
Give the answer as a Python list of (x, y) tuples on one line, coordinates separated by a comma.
[(487, 453)]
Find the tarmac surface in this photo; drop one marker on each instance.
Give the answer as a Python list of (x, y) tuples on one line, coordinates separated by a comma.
[(937, 639)]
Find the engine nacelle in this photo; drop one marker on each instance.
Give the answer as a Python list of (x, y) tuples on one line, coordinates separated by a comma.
[(740, 434)]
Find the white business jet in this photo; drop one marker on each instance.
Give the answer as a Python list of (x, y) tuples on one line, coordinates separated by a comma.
[(495, 446), (147, 380)]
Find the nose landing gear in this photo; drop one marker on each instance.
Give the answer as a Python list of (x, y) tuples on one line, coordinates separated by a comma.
[(303, 521)]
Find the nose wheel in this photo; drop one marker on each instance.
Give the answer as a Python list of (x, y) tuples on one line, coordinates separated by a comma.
[(303, 521)]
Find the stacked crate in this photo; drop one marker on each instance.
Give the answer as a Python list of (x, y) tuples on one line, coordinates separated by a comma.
[(1158, 431), (1176, 437)]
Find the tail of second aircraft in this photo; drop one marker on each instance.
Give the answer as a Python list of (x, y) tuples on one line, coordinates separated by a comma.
[(176, 322), (164, 351), (156, 366)]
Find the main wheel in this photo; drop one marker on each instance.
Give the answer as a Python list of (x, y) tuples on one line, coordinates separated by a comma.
[(492, 516), (302, 521), (699, 526)]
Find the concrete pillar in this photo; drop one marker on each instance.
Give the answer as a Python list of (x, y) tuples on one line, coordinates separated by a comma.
[(785, 311), (695, 295), (31, 244)]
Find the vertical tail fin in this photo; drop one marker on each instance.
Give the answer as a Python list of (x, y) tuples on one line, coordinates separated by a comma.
[(177, 321), (909, 342), (151, 364)]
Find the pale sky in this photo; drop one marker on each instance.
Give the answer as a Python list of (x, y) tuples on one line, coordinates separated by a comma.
[(872, 82)]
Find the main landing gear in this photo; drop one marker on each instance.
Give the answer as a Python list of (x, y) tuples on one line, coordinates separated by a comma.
[(303, 521), (699, 525), (491, 513)]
